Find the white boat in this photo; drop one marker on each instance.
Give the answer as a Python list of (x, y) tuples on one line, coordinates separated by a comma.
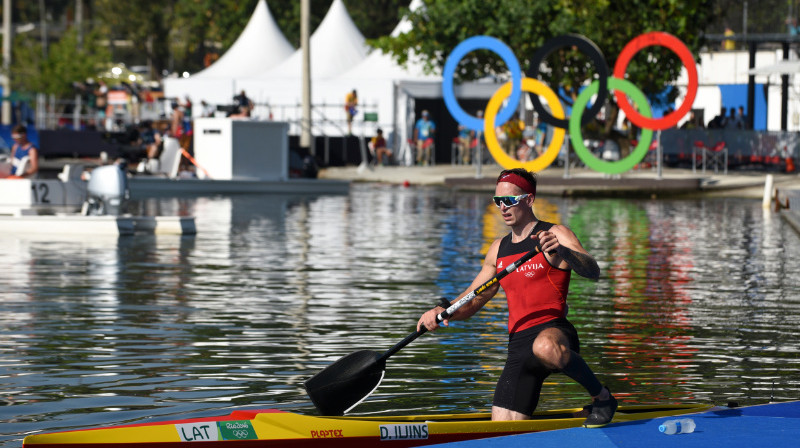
[(71, 205), (67, 193)]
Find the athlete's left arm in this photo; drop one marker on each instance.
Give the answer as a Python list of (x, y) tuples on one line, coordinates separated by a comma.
[(568, 252)]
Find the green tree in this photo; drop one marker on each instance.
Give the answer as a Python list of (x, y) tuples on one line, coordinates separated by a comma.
[(146, 24), (67, 62), (177, 35), (761, 16), (526, 24)]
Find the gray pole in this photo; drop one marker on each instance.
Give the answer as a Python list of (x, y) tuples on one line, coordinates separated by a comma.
[(744, 19), (43, 26), (305, 129), (6, 109), (79, 21)]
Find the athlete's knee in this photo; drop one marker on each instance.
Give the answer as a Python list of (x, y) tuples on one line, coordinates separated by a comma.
[(551, 352)]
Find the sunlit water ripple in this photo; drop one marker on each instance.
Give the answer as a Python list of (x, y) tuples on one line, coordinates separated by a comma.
[(697, 303)]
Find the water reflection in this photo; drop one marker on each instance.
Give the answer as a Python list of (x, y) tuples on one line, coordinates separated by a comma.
[(697, 302)]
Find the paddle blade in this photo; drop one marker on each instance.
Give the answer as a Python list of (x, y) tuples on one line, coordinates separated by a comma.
[(339, 387)]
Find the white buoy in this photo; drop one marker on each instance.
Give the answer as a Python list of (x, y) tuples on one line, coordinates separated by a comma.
[(767, 192)]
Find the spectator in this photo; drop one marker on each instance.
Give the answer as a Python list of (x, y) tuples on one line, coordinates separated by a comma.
[(741, 118), (728, 44), (424, 131), (244, 105), (732, 122), (513, 131), (379, 147), (691, 123), (24, 156), (719, 121), (464, 144), (791, 24), (350, 103), (187, 114), (177, 120), (101, 102), (150, 140), (539, 136)]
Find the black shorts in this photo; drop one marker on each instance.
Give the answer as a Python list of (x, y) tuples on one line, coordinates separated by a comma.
[(520, 383)]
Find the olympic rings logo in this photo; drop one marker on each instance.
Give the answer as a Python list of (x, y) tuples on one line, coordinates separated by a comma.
[(622, 88), (241, 434)]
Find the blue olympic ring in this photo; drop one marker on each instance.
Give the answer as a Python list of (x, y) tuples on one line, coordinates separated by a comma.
[(502, 50)]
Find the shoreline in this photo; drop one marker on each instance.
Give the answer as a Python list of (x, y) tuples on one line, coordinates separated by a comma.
[(580, 182)]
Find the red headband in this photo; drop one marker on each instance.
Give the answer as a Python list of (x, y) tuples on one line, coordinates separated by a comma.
[(519, 181)]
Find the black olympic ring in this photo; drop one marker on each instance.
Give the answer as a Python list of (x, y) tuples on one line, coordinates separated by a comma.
[(591, 50)]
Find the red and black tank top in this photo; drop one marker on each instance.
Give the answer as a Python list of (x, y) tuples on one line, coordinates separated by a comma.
[(536, 291)]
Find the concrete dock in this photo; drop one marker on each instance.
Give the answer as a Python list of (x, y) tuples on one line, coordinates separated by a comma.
[(784, 195), (579, 182)]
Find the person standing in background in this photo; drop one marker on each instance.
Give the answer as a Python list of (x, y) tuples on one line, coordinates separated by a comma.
[(101, 102), (741, 119), (728, 44), (513, 131), (350, 104), (464, 144), (424, 130), (176, 126)]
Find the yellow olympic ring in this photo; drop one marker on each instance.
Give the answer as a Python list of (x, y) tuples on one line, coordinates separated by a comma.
[(543, 161)]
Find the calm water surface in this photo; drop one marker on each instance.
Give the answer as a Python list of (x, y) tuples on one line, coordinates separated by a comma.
[(698, 302)]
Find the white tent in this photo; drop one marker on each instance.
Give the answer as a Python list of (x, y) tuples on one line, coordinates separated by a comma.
[(782, 67), (336, 46), (260, 47), (379, 65), (340, 62)]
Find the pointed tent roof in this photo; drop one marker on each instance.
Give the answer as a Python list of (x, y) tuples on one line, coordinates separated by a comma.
[(260, 47), (336, 46)]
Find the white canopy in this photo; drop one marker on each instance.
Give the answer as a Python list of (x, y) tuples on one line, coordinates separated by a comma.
[(379, 65), (259, 47), (336, 46), (339, 63), (781, 68)]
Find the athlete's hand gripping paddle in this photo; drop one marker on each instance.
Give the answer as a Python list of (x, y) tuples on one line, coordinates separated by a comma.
[(344, 384)]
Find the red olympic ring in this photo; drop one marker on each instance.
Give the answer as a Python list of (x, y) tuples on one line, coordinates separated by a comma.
[(679, 48)]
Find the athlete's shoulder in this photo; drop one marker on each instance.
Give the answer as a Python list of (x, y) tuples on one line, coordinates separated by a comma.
[(494, 249), (495, 245)]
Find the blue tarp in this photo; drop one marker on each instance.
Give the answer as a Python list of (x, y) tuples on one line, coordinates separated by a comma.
[(735, 95), (771, 425)]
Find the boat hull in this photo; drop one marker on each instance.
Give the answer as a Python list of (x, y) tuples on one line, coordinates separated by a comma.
[(268, 428)]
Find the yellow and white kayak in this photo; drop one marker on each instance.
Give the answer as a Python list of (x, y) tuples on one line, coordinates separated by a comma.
[(271, 427)]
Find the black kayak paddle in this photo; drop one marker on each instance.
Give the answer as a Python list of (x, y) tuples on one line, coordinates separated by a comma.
[(341, 386)]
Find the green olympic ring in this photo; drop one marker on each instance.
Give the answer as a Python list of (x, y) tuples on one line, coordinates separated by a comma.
[(577, 138)]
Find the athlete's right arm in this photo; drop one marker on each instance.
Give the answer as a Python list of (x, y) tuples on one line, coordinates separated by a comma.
[(487, 272)]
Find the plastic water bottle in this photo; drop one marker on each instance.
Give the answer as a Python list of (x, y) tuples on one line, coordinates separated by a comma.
[(682, 426)]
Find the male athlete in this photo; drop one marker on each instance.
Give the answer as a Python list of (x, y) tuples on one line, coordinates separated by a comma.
[(541, 340)]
